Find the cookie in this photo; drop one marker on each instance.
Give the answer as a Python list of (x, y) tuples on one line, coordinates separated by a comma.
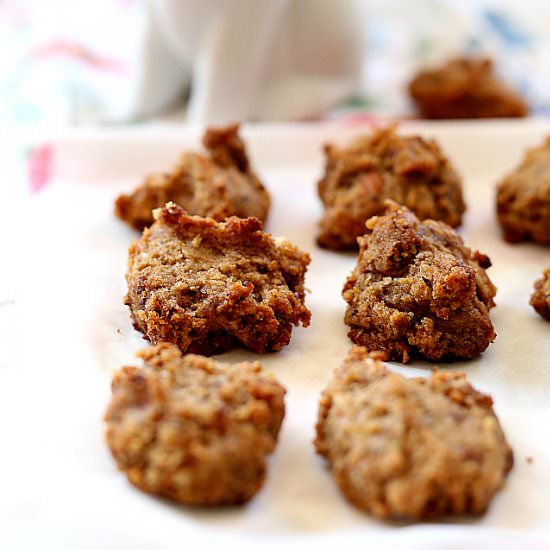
[(418, 290), (384, 165), (193, 429), (540, 299), (465, 88), (208, 286), (523, 198), (218, 184), (410, 448)]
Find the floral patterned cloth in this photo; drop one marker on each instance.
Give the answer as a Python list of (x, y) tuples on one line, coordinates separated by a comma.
[(66, 63)]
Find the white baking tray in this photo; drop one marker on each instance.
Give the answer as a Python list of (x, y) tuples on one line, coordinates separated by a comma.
[(59, 485)]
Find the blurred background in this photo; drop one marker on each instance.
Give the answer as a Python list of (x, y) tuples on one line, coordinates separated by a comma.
[(67, 63)]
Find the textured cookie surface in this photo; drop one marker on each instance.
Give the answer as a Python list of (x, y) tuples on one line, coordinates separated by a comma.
[(523, 198), (217, 185), (418, 290), (192, 429), (207, 286), (540, 299), (410, 448), (465, 88), (384, 165)]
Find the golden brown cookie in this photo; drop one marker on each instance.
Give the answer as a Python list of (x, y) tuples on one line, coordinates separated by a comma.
[(192, 429), (540, 299), (465, 88), (217, 185), (417, 290), (523, 198), (207, 286), (410, 448), (384, 165)]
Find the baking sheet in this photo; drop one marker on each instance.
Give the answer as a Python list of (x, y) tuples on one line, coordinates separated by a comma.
[(60, 487)]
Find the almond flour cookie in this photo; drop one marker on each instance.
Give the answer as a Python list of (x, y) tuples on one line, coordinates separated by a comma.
[(207, 286), (384, 165), (417, 290), (540, 299), (465, 88), (523, 198), (192, 429), (217, 185), (410, 448)]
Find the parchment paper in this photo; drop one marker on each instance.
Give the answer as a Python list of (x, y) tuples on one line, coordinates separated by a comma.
[(60, 487)]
